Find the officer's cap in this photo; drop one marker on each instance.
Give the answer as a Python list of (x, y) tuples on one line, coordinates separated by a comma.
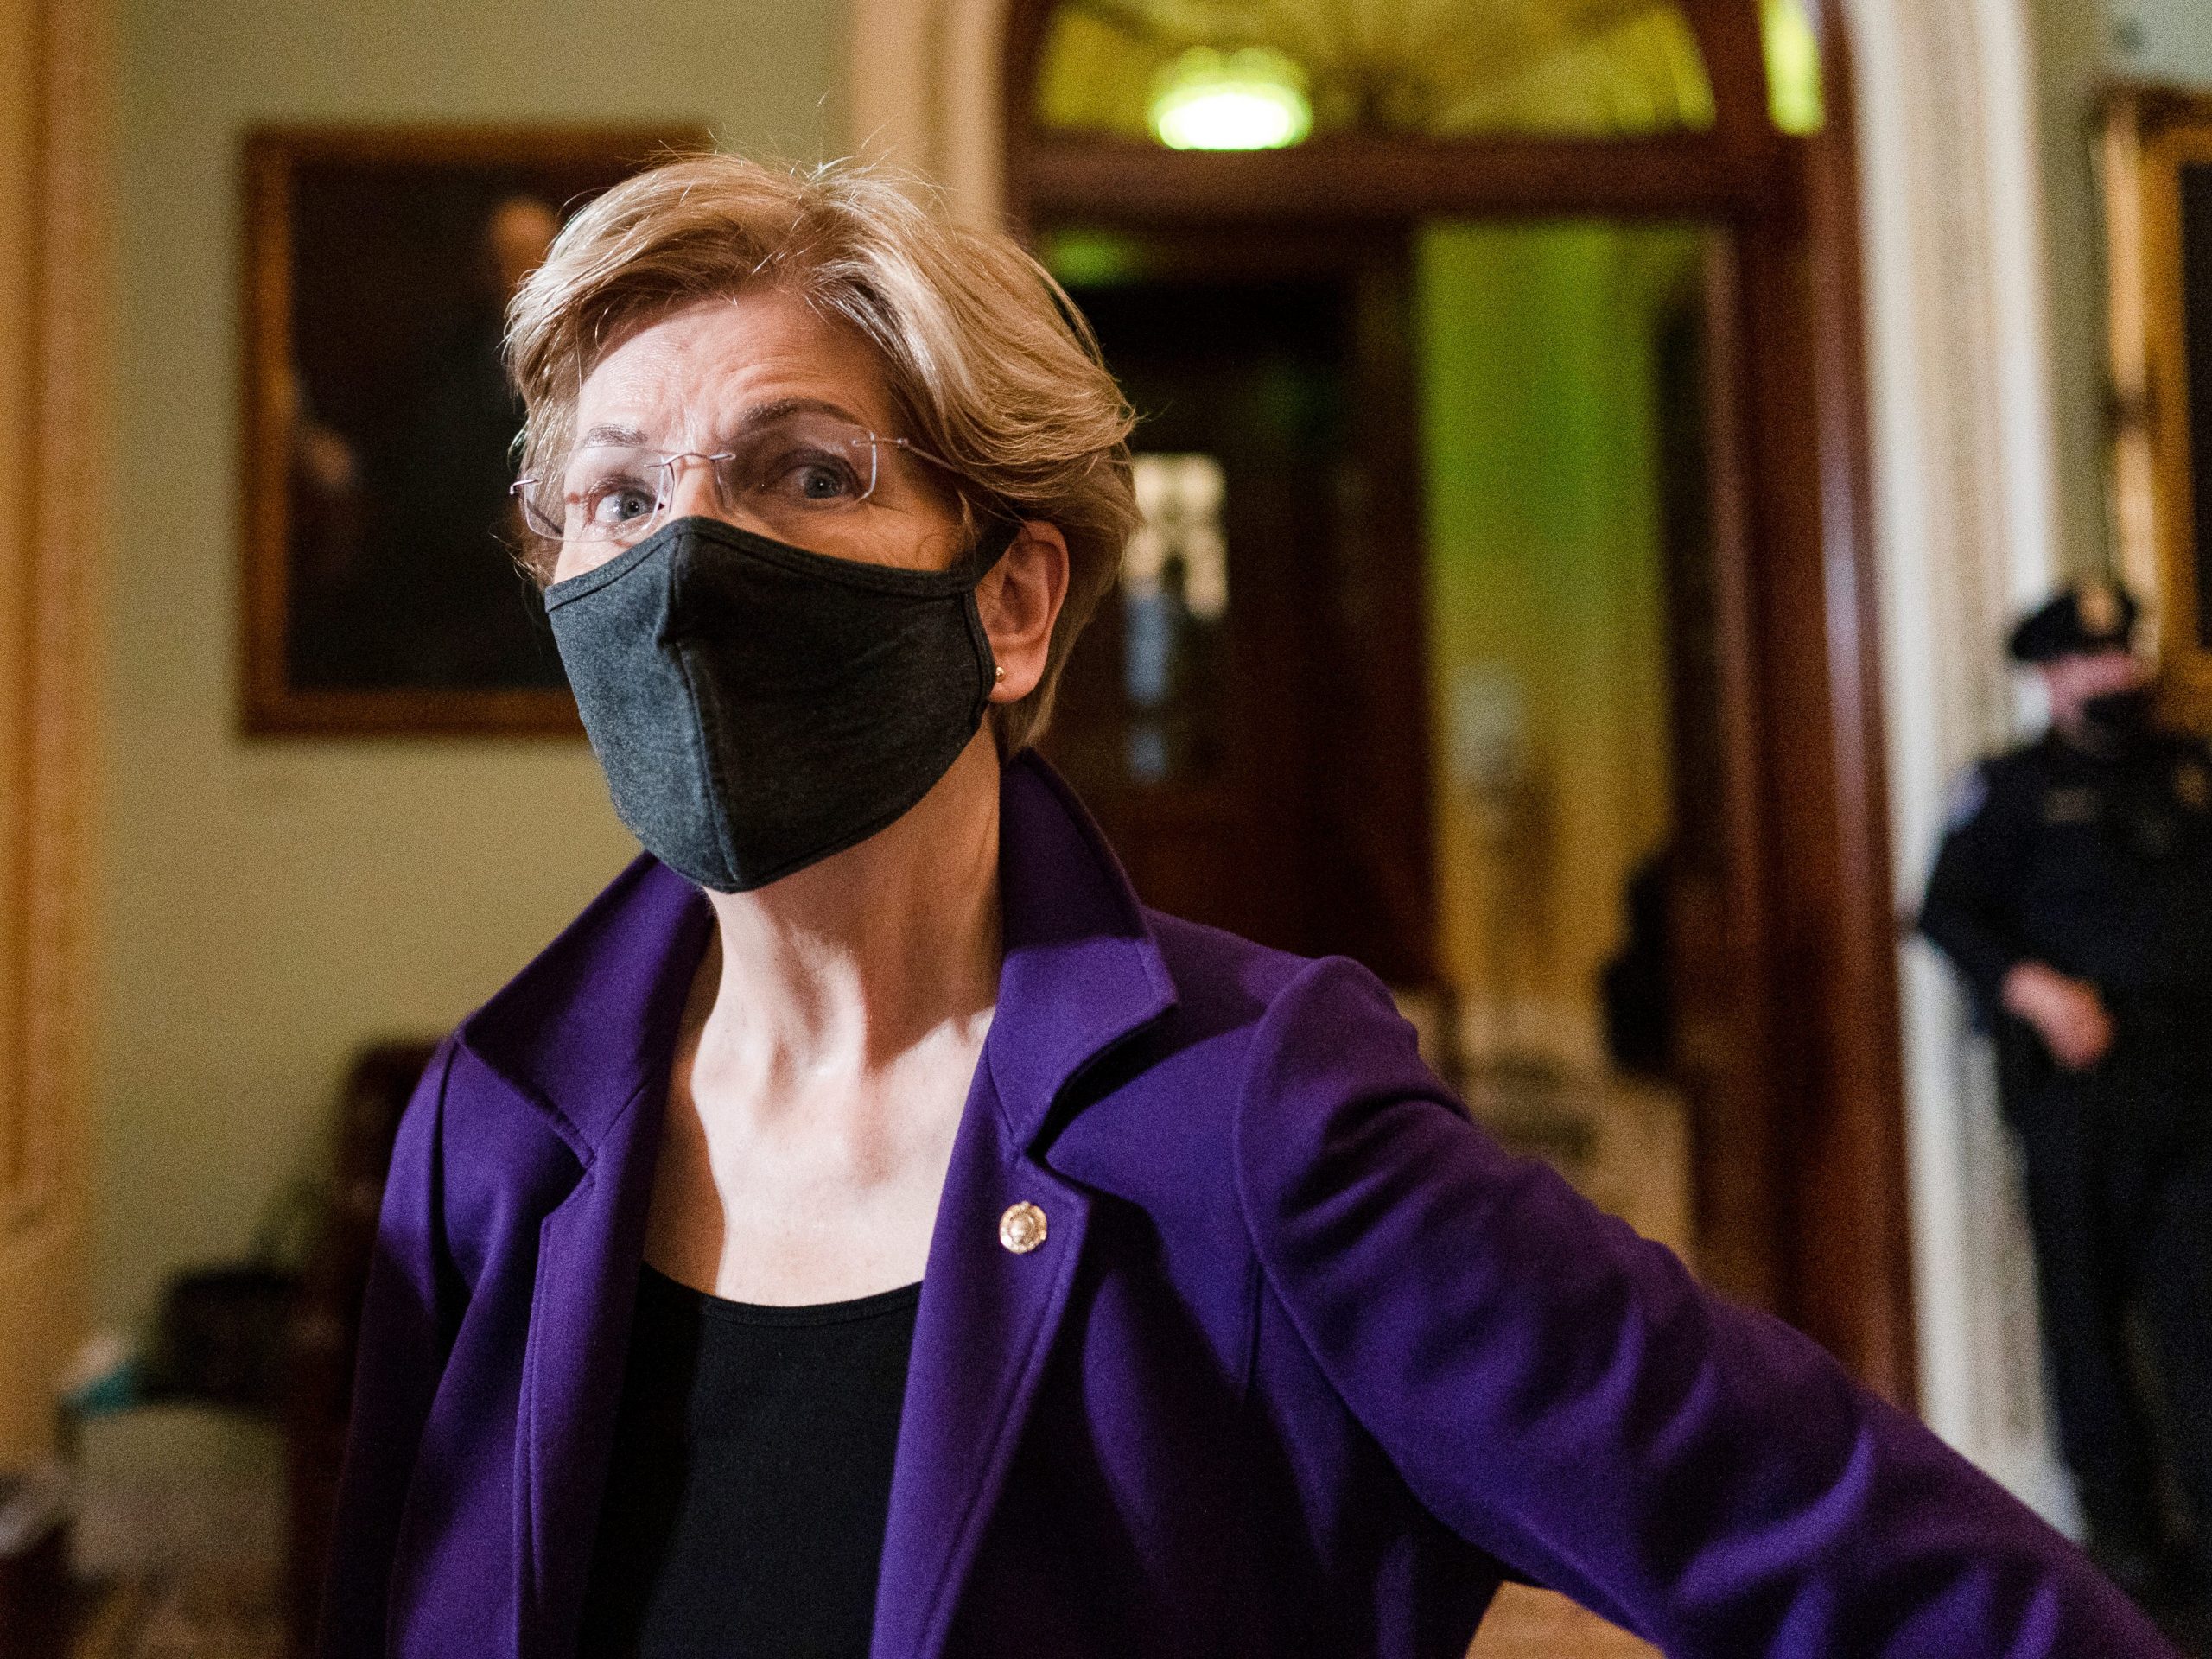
[(2089, 616)]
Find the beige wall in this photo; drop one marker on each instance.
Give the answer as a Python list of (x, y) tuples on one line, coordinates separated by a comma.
[(2079, 46), (54, 87), (2160, 40), (270, 905)]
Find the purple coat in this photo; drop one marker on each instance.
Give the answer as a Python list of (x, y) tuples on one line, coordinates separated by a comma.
[(1304, 1364)]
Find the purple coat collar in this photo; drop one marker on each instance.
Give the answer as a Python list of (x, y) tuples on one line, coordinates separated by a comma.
[(588, 1027), (586, 1035)]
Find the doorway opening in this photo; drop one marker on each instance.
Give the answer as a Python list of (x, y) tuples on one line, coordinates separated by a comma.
[(1500, 615)]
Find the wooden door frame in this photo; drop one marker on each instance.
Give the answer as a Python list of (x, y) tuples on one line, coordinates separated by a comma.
[(1803, 1206), (55, 64)]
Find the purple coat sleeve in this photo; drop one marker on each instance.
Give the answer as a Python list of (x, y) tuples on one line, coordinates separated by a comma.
[(1564, 1395), (408, 1317)]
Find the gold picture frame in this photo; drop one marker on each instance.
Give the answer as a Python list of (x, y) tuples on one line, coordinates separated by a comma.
[(2157, 179), (380, 598)]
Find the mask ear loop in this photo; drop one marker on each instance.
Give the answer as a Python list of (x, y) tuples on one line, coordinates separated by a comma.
[(999, 533)]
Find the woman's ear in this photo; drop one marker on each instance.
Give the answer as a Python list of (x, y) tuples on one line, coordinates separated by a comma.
[(1020, 601)]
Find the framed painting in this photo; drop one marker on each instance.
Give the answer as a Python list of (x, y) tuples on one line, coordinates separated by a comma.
[(381, 594), (2158, 165)]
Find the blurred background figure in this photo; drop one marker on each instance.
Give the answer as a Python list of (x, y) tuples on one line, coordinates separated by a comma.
[(2074, 893), (418, 584)]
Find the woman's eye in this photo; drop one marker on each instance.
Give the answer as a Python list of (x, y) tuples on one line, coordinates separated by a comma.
[(618, 502), (812, 476)]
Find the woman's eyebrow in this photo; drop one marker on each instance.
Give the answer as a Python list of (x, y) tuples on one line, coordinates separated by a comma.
[(782, 408), (629, 435), (758, 415)]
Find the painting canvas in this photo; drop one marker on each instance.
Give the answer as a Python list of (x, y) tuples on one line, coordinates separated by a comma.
[(381, 586)]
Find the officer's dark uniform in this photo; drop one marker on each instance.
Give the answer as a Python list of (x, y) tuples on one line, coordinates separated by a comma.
[(2096, 860)]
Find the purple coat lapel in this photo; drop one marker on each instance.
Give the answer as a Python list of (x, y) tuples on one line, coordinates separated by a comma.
[(589, 1253), (1081, 974), (589, 1047), (980, 1342)]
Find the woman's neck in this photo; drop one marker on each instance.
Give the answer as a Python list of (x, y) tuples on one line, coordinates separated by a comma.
[(849, 964)]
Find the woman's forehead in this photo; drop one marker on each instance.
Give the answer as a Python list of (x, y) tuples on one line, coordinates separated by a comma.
[(710, 366)]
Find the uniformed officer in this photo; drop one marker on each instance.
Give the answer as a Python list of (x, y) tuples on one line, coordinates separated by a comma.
[(2074, 893)]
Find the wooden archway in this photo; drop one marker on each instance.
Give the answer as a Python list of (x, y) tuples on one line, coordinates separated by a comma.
[(1801, 1179)]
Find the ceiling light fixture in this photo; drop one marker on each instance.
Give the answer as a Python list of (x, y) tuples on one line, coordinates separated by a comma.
[(1254, 98)]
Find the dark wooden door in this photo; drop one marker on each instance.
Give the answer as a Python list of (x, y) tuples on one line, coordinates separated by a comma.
[(1715, 866), (1247, 715)]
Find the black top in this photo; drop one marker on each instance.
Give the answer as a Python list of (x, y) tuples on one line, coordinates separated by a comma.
[(751, 1478)]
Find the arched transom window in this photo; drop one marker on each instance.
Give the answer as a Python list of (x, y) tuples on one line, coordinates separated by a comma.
[(1255, 74)]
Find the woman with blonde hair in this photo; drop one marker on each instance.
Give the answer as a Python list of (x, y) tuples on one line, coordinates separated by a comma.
[(868, 1229)]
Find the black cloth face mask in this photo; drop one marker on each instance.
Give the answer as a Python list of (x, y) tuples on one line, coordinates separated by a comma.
[(756, 707), (2121, 715)]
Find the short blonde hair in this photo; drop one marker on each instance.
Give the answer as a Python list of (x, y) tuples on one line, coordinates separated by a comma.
[(986, 359)]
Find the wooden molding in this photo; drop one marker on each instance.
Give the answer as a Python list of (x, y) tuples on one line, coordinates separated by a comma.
[(1383, 179), (52, 261)]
